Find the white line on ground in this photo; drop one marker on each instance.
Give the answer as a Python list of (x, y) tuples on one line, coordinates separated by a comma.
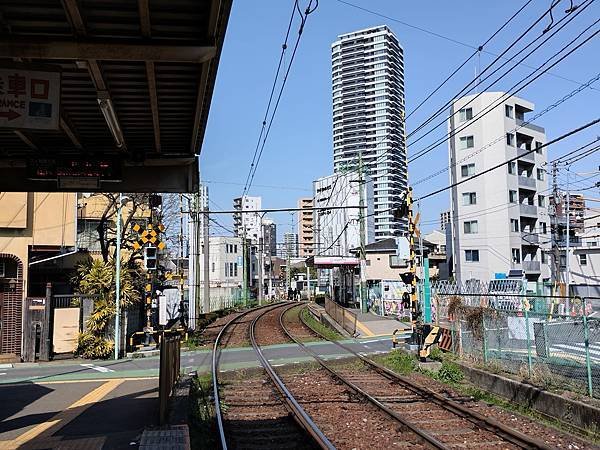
[(577, 349), (2, 373), (98, 368)]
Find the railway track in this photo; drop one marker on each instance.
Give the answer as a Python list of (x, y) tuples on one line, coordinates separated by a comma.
[(253, 412), (438, 421)]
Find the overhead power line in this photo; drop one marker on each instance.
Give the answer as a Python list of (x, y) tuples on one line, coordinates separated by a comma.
[(553, 141), (512, 91), (444, 37), (254, 166)]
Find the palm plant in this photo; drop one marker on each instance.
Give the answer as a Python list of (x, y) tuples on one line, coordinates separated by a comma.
[(97, 278)]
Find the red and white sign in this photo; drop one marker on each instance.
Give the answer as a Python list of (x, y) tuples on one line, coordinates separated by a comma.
[(29, 99)]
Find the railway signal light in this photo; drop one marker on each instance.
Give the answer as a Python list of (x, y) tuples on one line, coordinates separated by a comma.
[(400, 210), (150, 258)]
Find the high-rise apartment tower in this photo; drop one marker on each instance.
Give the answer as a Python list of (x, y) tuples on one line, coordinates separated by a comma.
[(368, 117)]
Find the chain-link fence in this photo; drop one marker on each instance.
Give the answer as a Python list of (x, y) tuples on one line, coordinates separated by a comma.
[(524, 336)]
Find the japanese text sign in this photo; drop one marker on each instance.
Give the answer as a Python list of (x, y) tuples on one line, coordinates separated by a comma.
[(29, 99)]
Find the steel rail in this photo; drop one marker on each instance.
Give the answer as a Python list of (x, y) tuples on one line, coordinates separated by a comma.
[(299, 414), (215, 381), (409, 425), (487, 423)]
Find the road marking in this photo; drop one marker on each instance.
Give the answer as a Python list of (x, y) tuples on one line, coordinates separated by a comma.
[(2, 373), (46, 429), (98, 368), (364, 329)]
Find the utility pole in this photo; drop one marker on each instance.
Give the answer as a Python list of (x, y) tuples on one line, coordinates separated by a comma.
[(245, 264), (363, 254), (206, 255), (568, 250), (260, 268), (118, 278), (555, 227), (414, 300)]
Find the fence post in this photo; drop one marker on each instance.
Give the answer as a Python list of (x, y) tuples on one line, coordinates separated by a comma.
[(485, 349), (586, 336), (526, 308)]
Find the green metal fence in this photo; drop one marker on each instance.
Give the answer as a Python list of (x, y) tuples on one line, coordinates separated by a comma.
[(533, 342)]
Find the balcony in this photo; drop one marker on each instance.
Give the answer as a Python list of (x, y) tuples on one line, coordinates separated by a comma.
[(529, 238), (526, 155), (530, 126), (527, 182), (532, 267), (528, 210)]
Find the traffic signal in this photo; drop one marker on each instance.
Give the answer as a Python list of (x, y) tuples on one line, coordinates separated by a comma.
[(407, 278), (400, 210), (406, 300), (151, 258)]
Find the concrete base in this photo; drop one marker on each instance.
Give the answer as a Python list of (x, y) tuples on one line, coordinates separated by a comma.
[(583, 417), (143, 353), (432, 366), (413, 348)]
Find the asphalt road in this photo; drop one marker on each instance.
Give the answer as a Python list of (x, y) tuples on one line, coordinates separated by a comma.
[(107, 404)]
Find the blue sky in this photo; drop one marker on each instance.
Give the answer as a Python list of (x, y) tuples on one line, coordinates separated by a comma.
[(299, 148)]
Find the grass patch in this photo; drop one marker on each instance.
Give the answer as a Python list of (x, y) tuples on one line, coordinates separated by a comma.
[(399, 362), (330, 334), (202, 414)]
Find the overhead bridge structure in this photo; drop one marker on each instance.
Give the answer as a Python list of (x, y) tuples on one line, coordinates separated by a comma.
[(106, 95)]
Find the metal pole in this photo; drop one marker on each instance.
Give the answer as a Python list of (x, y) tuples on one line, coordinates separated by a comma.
[(308, 283), (586, 336), (526, 308), (260, 267), (245, 264), (568, 250), (363, 253), (118, 279), (206, 251)]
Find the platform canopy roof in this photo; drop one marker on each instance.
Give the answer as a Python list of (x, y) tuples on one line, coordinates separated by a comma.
[(133, 82)]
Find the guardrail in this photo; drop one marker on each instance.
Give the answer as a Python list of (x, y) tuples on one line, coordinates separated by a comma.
[(344, 317), (170, 352)]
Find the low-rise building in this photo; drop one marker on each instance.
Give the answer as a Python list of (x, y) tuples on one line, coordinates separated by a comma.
[(37, 238)]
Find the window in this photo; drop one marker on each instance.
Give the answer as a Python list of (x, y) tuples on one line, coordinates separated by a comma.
[(466, 142), (396, 262), (467, 170), (512, 168), (538, 147), (514, 225), (516, 255), (541, 201), (544, 258), (226, 270), (509, 111), (469, 198), (213, 267), (472, 255), (583, 259), (235, 269), (540, 174), (470, 227), (512, 196), (235, 248), (465, 114), (510, 139), (543, 227)]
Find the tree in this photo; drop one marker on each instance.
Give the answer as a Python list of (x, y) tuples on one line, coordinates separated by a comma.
[(97, 278), (135, 206)]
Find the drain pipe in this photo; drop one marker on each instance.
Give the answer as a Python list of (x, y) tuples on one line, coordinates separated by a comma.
[(62, 255)]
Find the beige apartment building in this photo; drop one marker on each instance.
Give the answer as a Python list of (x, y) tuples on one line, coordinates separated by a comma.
[(306, 234), (37, 237)]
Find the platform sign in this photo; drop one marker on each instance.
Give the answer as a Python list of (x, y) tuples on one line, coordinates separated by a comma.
[(29, 99)]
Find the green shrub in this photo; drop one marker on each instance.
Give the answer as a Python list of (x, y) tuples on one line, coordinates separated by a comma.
[(450, 372), (91, 346)]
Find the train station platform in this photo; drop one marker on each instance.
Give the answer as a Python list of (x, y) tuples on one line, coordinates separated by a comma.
[(369, 325)]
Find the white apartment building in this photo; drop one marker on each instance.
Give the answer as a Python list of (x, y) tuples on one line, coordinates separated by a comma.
[(225, 259), (338, 230), (306, 235), (249, 222), (368, 123), (290, 245), (499, 220)]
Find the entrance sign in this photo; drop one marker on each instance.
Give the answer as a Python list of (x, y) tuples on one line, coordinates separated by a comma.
[(29, 99)]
